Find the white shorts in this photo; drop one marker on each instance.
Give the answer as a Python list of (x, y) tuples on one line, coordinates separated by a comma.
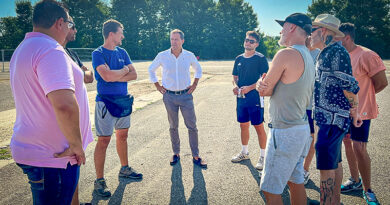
[(284, 155)]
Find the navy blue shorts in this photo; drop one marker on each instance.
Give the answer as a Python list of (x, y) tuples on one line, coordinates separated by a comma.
[(328, 146), (361, 133), (310, 119), (255, 114)]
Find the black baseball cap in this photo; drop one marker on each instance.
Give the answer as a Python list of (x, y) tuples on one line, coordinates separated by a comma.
[(299, 19)]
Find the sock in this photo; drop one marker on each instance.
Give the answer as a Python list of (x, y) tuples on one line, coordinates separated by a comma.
[(99, 179), (262, 152), (245, 149), (123, 167)]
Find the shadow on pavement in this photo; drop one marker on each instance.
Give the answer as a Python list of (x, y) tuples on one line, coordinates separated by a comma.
[(255, 174), (198, 193), (311, 185), (177, 188), (117, 197)]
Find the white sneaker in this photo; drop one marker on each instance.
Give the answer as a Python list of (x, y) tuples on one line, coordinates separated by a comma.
[(260, 164), (240, 156), (260, 173), (306, 176)]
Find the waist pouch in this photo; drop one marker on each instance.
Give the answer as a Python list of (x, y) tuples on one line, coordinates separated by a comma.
[(118, 105)]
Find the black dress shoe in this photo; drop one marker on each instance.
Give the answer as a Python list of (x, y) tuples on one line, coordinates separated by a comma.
[(175, 159)]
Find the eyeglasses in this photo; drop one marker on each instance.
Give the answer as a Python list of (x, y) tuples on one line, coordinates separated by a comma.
[(250, 41), (314, 29), (70, 24)]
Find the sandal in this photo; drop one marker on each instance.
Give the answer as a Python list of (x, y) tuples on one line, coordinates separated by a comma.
[(175, 158), (199, 162)]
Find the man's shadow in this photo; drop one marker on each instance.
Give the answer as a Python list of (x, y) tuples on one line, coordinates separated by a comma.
[(117, 197), (198, 193), (177, 188)]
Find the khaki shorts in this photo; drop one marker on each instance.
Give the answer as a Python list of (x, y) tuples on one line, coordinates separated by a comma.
[(105, 122)]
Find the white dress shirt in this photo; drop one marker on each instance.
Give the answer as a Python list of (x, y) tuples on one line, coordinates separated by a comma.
[(175, 71)]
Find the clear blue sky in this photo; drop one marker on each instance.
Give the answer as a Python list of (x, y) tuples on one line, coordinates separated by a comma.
[(267, 11)]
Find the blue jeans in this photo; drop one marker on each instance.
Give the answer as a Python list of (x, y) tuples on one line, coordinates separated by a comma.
[(52, 185)]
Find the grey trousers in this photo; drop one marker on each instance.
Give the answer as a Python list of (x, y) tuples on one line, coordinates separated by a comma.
[(186, 104)]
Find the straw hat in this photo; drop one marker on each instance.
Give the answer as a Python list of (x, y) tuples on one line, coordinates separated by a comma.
[(329, 22)]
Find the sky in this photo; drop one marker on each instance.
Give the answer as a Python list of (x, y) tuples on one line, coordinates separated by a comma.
[(267, 11)]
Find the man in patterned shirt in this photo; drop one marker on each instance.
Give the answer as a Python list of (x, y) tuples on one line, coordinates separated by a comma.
[(335, 96)]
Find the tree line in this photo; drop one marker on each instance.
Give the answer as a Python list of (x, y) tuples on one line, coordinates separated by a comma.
[(371, 19), (213, 29)]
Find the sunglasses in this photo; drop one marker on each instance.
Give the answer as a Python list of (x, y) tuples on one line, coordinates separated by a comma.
[(71, 25), (314, 29), (250, 41)]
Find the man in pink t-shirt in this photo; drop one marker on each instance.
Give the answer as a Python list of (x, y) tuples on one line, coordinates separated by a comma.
[(52, 127), (369, 71)]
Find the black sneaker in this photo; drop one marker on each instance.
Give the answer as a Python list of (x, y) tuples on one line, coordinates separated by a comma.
[(351, 185), (101, 188), (129, 172)]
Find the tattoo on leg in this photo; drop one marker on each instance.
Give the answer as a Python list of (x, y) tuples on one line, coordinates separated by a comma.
[(327, 188)]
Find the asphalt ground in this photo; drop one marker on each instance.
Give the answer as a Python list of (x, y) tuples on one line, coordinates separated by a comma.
[(219, 139)]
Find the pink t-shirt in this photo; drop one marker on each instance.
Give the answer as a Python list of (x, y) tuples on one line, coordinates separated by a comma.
[(365, 64), (39, 66)]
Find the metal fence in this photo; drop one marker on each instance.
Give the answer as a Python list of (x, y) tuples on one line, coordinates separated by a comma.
[(85, 54)]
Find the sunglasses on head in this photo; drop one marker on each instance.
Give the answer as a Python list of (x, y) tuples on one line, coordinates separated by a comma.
[(250, 41)]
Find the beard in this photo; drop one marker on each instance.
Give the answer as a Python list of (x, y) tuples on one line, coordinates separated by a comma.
[(249, 49)]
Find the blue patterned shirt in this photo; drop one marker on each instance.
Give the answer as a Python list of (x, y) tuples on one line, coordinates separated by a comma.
[(333, 75)]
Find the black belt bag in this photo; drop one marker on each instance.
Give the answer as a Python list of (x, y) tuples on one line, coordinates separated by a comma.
[(118, 105)]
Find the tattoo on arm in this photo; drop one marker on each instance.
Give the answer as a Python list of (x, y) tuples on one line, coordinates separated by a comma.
[(327, 188), (352, 102)]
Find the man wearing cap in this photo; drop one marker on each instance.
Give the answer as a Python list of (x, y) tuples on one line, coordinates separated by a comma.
[(335, 98), (289, 82), (369, 71)]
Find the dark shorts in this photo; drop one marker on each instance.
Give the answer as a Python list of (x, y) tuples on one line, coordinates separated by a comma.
[(328, 146), (361, 133), (255, 114), (310, 119)]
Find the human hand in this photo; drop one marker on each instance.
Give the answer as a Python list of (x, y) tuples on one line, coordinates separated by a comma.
[(192, 88), (76, 151), (245, 90), (357, 121), (235, 91), (127, 69), (260, 84), (161, 89)]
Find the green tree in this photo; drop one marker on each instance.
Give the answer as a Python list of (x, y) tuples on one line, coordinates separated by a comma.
[(234, 19), (195, 19), (88, 16), (271, 43), (13, 29), (371, 19)]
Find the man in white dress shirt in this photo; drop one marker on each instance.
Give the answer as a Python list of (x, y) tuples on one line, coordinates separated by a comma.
[(177, 92)]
